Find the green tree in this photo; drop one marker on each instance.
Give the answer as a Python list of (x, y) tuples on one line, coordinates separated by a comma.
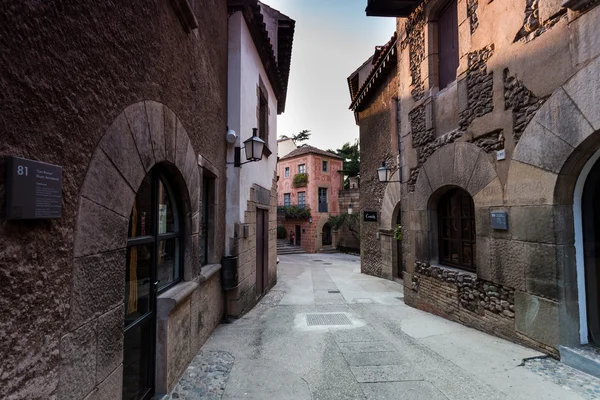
[(351, 155), (302, 136)]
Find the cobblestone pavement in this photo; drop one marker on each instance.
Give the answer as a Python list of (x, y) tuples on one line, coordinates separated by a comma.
[(328, 332), (565, 376), (205, 377)]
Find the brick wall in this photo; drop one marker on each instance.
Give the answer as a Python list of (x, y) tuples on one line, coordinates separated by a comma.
[(443, 298)]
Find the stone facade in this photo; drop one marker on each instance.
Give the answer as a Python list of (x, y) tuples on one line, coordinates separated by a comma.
[(140, 84), (514, 131)]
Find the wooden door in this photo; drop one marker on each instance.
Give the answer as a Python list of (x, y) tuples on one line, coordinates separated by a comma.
[(262, 251), (298, 235)]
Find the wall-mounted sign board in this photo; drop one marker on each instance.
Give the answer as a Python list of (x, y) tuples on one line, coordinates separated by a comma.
[(33, 189), (370, 216), (499, 220)]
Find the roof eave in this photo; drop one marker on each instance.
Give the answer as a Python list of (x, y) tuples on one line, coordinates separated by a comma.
[(391, 8)]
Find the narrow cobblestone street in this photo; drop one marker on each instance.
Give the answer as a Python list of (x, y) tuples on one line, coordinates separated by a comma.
[(325, 331)]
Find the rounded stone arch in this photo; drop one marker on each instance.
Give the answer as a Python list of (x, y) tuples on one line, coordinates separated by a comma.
[(557, 142), (462, 165), (319, 232), (456, 165), (548, 171), (391, 202), (144, 135)]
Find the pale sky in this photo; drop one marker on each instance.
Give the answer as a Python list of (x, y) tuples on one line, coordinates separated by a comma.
[(332, 39)]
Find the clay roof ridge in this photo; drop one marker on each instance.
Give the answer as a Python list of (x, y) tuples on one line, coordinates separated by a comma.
[(385, 52), (307, 149)]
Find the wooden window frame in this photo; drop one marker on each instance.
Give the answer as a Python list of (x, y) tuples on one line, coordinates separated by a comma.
[(462, 223)]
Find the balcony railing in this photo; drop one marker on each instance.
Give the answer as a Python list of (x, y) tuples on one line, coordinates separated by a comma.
[(295, 212), (322, 207)]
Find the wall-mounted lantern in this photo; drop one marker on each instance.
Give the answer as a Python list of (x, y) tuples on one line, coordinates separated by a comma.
[(350, 209), (253, 147), (384, 174)]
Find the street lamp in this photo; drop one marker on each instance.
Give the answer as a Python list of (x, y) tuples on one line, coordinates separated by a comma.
[(384, 174), (253, 147)]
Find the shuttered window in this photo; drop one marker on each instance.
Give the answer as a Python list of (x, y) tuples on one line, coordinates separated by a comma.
[(448, 44)]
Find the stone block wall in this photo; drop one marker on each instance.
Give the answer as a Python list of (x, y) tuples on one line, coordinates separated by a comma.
[(346, 197), (241, 299), (50, 346), (378, 142)]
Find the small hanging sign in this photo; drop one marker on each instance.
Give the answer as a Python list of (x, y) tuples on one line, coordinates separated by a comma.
[(370, 216), (33, 189)]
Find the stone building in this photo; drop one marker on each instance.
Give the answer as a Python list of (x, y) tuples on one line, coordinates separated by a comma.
[(495, 172), (310, 178), (260, 46), (374, 90), (115, 294), (348, 237)]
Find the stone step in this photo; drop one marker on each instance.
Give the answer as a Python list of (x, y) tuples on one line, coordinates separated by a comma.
[(291, 250), (585, 358), (328, 250)]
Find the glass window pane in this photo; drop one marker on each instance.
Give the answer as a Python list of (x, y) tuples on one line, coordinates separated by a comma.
[(136, 361), (166, 212), (167, 269), (137, 282), (140, 220)]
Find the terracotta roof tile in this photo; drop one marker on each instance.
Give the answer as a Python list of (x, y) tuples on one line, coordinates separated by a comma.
[(306, 149)]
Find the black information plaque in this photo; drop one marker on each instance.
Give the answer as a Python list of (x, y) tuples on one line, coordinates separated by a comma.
[(33, 189), (499, 220), (370, 216)]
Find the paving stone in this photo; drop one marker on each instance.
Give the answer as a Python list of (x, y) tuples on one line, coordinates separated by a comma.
[(359, 347), (386, 373), (374, 358), (365, 334), (402, 391)]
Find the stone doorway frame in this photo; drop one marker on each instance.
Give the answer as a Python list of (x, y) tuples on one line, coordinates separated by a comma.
[(553, 152), (145, 134)]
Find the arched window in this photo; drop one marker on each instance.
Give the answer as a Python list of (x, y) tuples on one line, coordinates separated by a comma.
[(154, 260), (456, 217)]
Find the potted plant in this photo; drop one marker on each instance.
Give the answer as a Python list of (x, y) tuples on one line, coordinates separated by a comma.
[(398, 232)]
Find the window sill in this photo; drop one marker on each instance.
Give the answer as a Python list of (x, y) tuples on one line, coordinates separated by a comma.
[(454, 269), (170, 299), (208, 271)]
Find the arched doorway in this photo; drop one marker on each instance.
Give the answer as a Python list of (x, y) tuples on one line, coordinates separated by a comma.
[(590, 250), (326, 235), (154, 264), (456, 230), (400, 267)]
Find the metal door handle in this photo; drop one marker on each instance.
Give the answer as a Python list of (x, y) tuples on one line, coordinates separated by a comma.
[(156, 283)]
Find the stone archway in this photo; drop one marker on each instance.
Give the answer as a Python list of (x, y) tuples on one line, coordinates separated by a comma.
[(463, 165), (143, 135), (545, 171)]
